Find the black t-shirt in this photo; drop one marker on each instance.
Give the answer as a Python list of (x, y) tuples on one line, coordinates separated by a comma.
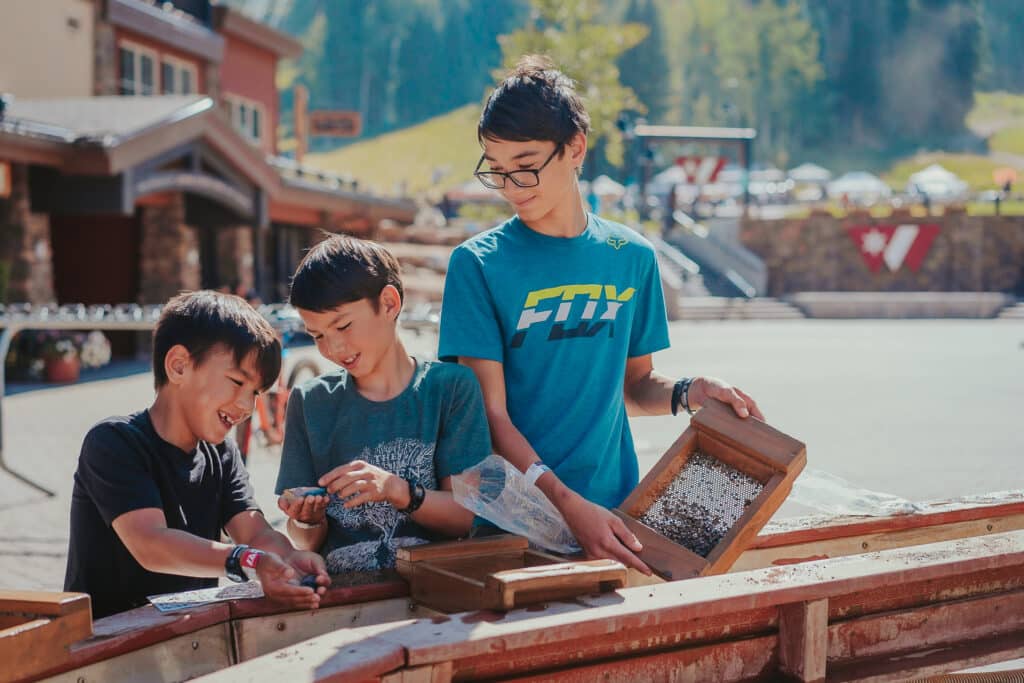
[(125, 465)]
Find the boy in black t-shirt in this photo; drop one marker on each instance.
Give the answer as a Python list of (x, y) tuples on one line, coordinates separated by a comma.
[(154, 489)]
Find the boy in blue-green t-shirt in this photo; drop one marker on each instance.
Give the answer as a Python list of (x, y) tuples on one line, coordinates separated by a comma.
[(558, 312), (384, 433)]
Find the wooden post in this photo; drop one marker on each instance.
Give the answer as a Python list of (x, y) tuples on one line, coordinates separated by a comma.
[(803, 639), (300, 110)]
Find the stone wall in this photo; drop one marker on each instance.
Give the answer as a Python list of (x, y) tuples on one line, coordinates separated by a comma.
[(170, 251), (235, 255), (104, 73), (25, 245), (817, 253)]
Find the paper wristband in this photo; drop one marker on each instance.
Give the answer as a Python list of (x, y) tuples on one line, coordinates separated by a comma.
[(534, 472)]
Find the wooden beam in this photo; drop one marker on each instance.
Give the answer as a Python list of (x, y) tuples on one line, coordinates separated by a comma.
[(803, 640)]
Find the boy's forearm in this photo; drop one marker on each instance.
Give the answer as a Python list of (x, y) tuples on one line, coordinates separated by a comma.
[(650, 394), (513, 446), (307, 539), (441, 513), (270, 540), (172, 551)]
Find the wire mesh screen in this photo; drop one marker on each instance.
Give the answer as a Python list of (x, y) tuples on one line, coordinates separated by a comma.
[(701, 503)]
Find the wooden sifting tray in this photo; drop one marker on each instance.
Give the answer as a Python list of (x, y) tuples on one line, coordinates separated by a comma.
[(499, 573), (705, 500)]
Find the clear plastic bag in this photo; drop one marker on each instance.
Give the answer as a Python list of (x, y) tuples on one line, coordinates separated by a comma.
[(495, 490)]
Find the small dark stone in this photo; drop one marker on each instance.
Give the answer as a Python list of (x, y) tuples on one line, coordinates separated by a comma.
[(309, 581)]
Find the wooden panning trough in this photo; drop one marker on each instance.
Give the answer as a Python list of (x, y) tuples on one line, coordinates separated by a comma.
[(847, 599)]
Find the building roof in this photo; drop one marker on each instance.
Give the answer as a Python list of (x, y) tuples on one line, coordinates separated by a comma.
[(104, 120), (109, 135)]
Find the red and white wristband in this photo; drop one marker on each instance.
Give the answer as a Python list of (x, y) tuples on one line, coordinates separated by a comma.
[(248, 561)]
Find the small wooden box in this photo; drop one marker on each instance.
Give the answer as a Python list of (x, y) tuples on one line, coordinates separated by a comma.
[(37, 630), (499, 573), (712, 491)]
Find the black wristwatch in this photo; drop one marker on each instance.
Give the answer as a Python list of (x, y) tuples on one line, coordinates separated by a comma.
[(416, 495), (232, 565)]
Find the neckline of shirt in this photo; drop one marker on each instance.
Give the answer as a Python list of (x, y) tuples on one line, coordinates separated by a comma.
[(419, 365), (521, 228)]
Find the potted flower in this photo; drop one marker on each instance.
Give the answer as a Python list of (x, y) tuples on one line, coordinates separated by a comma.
[(60, 352)]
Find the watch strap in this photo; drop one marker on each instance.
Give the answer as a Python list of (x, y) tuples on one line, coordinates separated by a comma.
[(417, 494), (232, 565)]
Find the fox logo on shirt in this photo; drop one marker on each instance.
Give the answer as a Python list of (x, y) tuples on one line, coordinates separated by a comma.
[(579, 301), (617, 242)]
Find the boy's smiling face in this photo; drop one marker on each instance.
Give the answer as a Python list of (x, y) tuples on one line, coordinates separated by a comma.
[(356, 335), (557, 179), (218, 392)]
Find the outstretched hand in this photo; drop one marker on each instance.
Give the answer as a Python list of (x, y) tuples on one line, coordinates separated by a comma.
[(280, 580), (601, 534)]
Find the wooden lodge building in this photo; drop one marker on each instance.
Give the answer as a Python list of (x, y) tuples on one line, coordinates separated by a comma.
[(138, 155)]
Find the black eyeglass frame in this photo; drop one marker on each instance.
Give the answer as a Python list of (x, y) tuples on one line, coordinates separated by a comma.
[(480, 175)]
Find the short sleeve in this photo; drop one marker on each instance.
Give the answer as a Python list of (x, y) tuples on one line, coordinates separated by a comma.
[(296, 467), (238, 494), (469, 321), (650, 324), (464, 438), (116, 474)]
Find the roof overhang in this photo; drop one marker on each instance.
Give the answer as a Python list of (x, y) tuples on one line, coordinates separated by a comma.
[(171, 27), (135, 150)]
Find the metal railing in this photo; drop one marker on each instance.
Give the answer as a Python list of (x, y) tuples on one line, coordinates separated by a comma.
[(15, 318)]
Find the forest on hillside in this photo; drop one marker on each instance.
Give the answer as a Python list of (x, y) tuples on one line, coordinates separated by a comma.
[(810, 75)]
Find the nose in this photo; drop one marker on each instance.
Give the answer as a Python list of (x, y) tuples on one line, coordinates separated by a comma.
[(245, 401), (336, 347)]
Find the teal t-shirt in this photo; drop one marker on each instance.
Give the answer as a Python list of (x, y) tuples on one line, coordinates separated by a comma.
[(435, 428), (562, 315)]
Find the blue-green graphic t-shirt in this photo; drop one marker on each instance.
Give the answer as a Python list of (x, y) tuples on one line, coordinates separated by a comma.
[(562, 315)]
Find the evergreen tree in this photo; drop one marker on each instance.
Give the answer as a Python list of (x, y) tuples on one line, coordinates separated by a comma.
[(645, 68)]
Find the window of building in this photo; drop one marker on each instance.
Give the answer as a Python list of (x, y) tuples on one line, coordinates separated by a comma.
[(246, 116), (138, 69), (177, 77)]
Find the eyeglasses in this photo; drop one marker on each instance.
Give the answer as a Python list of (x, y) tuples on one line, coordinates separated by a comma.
[(527, 177)]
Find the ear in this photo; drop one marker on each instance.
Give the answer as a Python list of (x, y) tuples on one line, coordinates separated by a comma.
[(177, 364), (390, 301), (577, 149)]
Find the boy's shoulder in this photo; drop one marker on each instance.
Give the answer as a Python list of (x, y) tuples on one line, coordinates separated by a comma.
[(331, 385), (119, 427), (487, 242), (443, 373), (605, 230)]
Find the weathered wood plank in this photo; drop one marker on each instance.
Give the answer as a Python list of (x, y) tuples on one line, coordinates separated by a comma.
[(803, 640), (174, 659), (339, 593), (740, 660), (480, 633), (344, 655), (850, 541), (256, 636), (134, 630)]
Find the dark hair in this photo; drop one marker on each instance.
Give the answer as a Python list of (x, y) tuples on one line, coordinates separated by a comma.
[(203, 320), (536, 101), (342, 269)]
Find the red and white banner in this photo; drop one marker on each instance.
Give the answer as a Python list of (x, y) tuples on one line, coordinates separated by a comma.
[(700, 170), (894, 245)]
